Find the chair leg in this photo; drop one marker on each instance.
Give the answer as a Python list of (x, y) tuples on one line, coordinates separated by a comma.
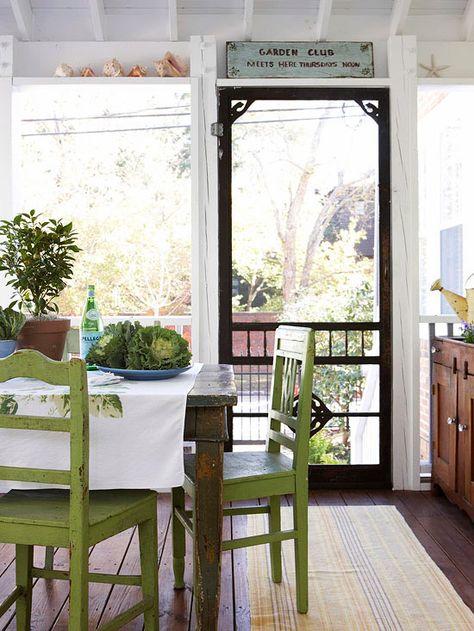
[(24, 563), (148, 538), (79, 588), (274, 519), (300, 516), (179, 539)]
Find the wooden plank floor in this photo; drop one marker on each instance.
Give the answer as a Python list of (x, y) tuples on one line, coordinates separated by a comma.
[(444, 531)]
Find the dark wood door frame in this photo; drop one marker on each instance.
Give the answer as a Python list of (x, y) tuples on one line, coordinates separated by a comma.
[(232, 103)]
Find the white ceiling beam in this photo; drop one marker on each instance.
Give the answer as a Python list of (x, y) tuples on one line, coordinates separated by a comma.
[(468, 21), (322, 23), (23, 18), (248, 20), (97, 11), (173, 20), (399, 16)]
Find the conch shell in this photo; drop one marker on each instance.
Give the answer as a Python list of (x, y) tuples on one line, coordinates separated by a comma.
[(137, 71), (112, 69), (171, 66), (64, 70), (87, 72)]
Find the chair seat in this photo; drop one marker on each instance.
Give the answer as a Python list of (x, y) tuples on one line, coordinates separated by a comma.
[(242, 465), (50, 507)]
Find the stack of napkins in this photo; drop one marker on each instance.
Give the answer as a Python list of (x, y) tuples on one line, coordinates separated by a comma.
[(100, 378)]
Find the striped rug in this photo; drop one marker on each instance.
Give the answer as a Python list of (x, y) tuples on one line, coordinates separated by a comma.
[(367, 571)]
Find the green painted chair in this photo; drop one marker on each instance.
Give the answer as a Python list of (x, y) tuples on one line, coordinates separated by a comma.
[(71, 518), (269, 474)]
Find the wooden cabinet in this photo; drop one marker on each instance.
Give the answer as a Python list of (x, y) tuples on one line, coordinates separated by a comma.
[(453, 419)]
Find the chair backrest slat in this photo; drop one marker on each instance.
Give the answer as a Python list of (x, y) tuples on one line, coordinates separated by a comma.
[(282, 439), (291, 421), (32, 364), (40, 476), (40, 423), (293, 367)]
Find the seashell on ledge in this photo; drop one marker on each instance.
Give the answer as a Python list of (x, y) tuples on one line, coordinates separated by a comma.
[(138, 71), (64, 70), (112, 68), (171, 66), (87, 72)]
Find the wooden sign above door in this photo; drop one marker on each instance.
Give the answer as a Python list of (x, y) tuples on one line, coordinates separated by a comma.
[(247, 60)]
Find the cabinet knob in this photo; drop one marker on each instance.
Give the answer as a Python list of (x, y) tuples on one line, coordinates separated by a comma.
[(451, 421), (435, 349), (462, 427)]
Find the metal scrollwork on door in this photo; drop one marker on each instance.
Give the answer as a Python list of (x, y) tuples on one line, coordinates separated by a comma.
[(320, 414), (239, 108), (369, 108)]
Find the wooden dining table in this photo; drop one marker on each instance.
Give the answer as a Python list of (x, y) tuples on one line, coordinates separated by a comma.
[(208, 402)]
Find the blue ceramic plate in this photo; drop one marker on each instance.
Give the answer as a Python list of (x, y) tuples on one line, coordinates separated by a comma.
[(144, 375)]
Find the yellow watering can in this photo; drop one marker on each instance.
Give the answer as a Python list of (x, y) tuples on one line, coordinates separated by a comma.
[(464, 307)]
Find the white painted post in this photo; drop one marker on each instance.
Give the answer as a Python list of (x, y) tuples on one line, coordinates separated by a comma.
[(6, 176), (402, 64), (205, 290)]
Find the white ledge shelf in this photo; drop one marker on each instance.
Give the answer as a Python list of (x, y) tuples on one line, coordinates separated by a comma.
[(306, 83), (445, 81), (101, 80)]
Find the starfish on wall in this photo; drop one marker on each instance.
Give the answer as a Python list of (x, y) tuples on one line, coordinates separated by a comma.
[(433, 70)]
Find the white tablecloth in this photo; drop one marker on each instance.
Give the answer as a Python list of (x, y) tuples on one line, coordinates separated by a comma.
[(136, 431)]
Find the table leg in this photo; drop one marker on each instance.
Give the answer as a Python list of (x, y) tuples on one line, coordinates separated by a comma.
[(208, 533), (49, 558)]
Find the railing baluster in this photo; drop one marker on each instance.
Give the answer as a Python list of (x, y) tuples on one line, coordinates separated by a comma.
[(362, 345), (346, 341), (330, 343)]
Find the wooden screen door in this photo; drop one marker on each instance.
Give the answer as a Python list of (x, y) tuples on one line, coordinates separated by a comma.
[(304, 238)]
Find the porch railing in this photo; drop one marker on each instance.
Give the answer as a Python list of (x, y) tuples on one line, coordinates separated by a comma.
[(337, 343), (176, 322)]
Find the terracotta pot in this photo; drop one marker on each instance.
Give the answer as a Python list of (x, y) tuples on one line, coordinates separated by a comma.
[(46, 336)]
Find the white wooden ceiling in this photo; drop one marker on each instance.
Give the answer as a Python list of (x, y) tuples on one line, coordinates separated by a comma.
[(133, 19)]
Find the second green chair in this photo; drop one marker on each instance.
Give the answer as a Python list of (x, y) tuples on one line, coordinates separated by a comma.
[(270, 474)]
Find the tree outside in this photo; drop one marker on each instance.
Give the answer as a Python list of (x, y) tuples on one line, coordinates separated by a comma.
[(120, 172), (304, 224)]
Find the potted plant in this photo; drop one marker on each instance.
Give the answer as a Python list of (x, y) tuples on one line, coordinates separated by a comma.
[(11, 322), (37, 256)]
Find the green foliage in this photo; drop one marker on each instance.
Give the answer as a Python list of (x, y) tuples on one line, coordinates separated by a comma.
[(320, 450), (11, 322), (127, 345), (38, 256), (156, 348), (468, 332), (111, 349)]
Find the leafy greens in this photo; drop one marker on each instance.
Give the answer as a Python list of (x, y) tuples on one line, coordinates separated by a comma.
[(133, 346)]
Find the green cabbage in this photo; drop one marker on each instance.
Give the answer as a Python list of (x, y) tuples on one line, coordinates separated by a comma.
[(111, 349), (156, 348)]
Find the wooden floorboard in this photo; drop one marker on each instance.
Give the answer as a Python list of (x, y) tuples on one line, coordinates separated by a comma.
[(445, 532)]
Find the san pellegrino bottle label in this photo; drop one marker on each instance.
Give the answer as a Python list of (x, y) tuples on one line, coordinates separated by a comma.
[(92, 326)]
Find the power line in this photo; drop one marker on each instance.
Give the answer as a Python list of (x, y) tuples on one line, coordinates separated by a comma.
[(111, 131), (137, 114)]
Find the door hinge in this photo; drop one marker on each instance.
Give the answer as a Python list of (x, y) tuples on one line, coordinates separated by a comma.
[(217, 129)]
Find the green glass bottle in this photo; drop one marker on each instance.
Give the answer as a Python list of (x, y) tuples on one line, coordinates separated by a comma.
[(92, 326)]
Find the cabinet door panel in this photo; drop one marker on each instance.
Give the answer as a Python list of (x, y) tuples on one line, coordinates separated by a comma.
[(444, 431), (466, 438)]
